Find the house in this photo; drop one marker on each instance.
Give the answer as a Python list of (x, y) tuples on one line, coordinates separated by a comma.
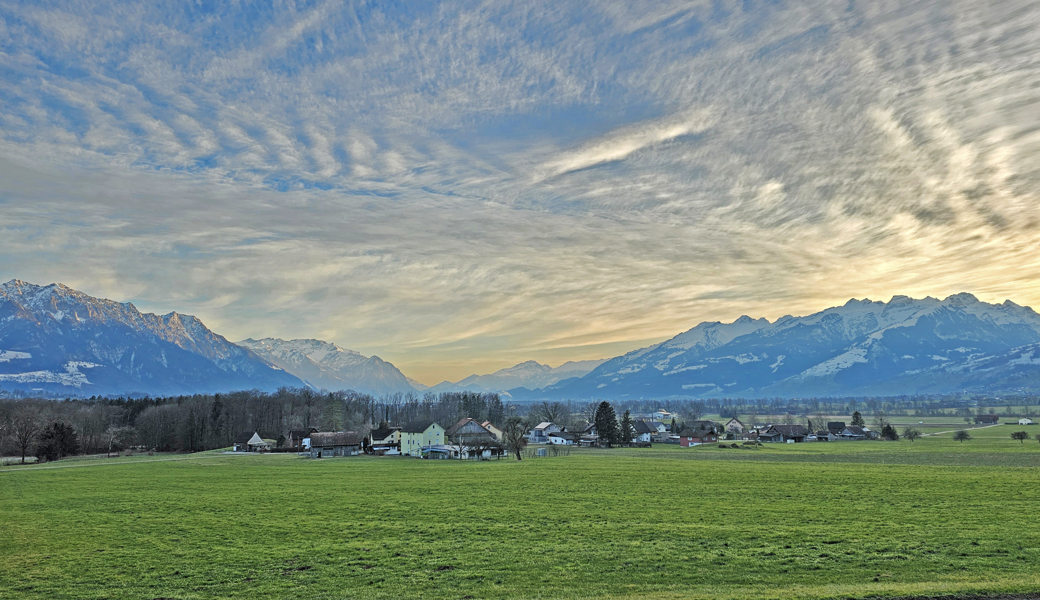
[(825, 435), (835, 427), (735, 427), (644, 431), (250, 441), (783, 433), (854, 432), (540, 433), (1025, 421), (299, 439), (472, 440), (494, 430), (418, 434), (699, 426), (663, 415), (698, 437), (588, 440), (325, 444), (987, 419), (564, 438), (385, 440)]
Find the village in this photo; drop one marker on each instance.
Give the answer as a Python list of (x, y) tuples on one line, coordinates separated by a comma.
[(475, 440)]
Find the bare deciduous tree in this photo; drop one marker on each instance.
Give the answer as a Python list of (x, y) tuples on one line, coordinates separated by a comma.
[(514, 435), (26, 425)]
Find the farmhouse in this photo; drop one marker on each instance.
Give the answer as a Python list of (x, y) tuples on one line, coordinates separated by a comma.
[(783, 433), (1025, 421), (494, 430), (540, 433), (417, 434), (854, 432), (698, 437), (325, 444), (250, 441), (298, 439), (825, 435), (385, 440), (644, 431), (471, 439), (835, 427), (735, 427), (564, 438)]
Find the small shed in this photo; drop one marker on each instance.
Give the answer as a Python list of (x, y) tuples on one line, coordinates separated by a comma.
[(1025, 421), (250, 441)]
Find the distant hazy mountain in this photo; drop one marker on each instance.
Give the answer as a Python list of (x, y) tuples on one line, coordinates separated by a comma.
[(59, 341), (903, 346), (529, 374), (330, 367)]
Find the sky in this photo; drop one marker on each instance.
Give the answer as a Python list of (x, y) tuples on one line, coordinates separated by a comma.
[(457, 187)]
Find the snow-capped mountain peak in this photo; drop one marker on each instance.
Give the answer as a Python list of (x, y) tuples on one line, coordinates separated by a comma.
[(862, 347), (64, 331), (326, 365)]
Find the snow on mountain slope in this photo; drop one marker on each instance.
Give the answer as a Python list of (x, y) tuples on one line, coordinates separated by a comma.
[(57, 340), (862, 347), (529, 374), (325, 365)]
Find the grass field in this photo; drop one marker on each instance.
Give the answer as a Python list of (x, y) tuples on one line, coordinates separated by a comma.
[(853, 519)]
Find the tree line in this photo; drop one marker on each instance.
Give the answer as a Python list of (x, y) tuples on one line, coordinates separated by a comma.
[(51, 429)]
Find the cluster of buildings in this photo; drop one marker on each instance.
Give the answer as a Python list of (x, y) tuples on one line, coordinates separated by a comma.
[(469, 438), (427, 439), (792, 434)]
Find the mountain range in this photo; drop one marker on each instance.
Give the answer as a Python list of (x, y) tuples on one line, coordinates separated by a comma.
[(904, 346), (529, 375), (58, 341), (327, 366)]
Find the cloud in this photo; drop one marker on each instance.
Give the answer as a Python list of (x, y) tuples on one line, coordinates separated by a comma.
[(619, 145), (461, 186)]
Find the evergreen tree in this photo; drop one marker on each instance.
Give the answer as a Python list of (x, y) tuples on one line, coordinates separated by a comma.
[(58, 441), (888, 432), (606, 422), (628, 430), (495, 410), (857, 419)]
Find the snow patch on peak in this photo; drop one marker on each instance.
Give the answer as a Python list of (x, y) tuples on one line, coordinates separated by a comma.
[(9, 355), (961, 299)]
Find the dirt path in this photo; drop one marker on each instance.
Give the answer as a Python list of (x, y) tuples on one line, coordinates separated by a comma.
[(967, 429)]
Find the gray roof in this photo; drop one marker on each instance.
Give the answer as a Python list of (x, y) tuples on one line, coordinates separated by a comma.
[(382, 433), (476, 429), (417, 426), (643, 427), (791, 430), (244, 437), (335, 438)]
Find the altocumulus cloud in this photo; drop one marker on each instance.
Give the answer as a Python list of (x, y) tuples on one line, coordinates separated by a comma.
[(461, 186)]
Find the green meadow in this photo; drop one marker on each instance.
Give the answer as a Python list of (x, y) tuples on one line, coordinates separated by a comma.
[(826, 520)]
